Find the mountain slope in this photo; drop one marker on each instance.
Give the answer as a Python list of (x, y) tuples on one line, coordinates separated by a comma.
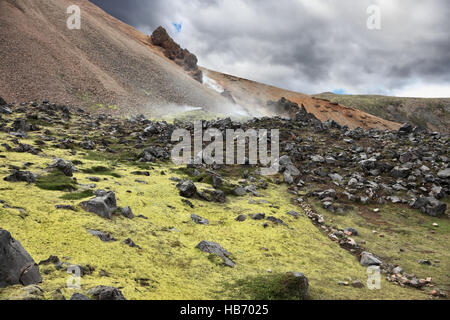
[(433, 113), (250, 94), (106, 62)]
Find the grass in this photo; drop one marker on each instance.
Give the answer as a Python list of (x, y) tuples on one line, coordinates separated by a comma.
[(277, 286), (433, 113), (102, 171), (55, 181), (78, 195), (408, 237)]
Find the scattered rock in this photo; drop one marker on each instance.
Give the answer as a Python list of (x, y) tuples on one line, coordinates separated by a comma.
[(16, 265), (368, 259), (64, 166), (187, 189), (79, 296), (105, 237), (103, 205), (199, 220), (127, 213), (216, 249), (21, 176), (106, 293)]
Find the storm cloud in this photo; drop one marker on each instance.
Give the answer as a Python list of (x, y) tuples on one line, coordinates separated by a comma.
[(309, 46)]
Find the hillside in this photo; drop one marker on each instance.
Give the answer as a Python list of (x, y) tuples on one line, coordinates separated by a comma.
[(250, 93), (432, 113)]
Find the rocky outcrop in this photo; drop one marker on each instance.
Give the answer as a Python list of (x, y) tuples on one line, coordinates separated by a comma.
[(174, 52), (16, 265)]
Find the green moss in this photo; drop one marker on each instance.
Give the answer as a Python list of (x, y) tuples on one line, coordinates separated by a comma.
[(78, 195), (100, 170), (279, 286), (168, 265), (55, 181)]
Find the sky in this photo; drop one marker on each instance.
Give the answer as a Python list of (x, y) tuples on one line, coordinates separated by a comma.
[(310, 46)]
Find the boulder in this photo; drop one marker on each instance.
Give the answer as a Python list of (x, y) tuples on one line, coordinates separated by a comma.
[(103, 236), (216, 249), (64, 166), (239, 191), (2, 102), (444, 174), (405, 129), (106, 293), (199, 220), (21, 176), (369, 259), (400, 172), (103, 205), (79, 297), (127, 213), (187, 188), (16, 265), (430, 206)]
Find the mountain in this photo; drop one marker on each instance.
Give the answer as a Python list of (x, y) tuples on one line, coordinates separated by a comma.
[(105, 63), (431, 113), (111, 67)]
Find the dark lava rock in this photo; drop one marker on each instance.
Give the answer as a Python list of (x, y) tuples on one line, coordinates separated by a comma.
[(16, 265), (21, 176), (103, 236), (187, 189), (103, 205), (64, 166), (444, 174), (79, 296), (430, 206), (258, 216), (106, 293), (239, 191), (215, 248), (241, 218), (130, 243), (2, 102), (199, 220), (351, 231), (405, 129), (127, 213)]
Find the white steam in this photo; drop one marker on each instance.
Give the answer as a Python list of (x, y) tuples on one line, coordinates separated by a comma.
[(212, 84)]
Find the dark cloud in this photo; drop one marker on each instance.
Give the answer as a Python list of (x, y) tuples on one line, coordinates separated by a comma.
[(309, 46)]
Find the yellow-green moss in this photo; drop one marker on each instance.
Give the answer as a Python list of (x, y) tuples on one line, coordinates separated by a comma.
[(168, 266)]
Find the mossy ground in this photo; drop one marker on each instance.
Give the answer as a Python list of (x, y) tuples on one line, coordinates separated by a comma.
[(168, 266), (402, 236)]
